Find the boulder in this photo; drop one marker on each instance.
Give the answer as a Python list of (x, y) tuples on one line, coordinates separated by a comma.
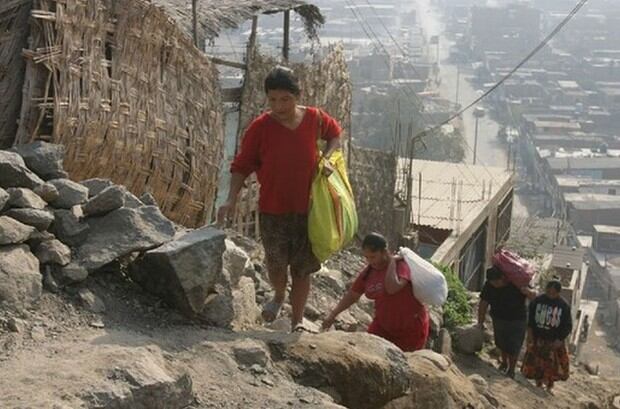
[(44, 159), (71, 193), (479, 383), (249, 352), (218, 309), (38, 237), (331, 278), (440, 361), (90, 301), (53, 252), (20, 280), (47, 192), (4, 198), (110, 198), (124, 231), (25, 198), (443, 344), (39, 219), (435, 315), (184, 271), (14, 173), (70, 274), (365, 371), (68, 228), (469, 339), (96, 185), (235, 261), (14, 232), (148, 199), (132, 200), (245, 309), (437, 386)]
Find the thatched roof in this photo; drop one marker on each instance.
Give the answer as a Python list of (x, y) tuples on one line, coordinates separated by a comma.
[(217, 15)]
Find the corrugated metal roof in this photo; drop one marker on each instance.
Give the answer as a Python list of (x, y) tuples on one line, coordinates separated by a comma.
[(438, 206)]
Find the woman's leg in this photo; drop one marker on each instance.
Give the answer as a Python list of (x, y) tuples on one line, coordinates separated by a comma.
[(299, 296)]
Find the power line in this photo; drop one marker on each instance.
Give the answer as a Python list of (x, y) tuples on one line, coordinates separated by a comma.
[(542, 44)]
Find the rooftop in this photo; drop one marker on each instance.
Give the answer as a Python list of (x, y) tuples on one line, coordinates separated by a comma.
[(590, 201), (576, 181), (584, 163), (564, 256), (436, 203), (602, 228)]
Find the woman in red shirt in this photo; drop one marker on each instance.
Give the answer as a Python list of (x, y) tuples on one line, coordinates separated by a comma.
[(399, 316), (280, 146)]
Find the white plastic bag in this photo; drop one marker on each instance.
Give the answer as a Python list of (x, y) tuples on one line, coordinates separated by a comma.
[(429, 284)]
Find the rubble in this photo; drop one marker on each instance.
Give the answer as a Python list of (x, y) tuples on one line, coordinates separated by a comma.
[(70, 193), (39, 219), (14, 232), (14, 173), (25, 198), (20, 285), (109, 199), (44, 159)]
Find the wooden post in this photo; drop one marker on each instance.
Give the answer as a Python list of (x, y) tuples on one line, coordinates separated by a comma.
[(287, 27), (195, 22)]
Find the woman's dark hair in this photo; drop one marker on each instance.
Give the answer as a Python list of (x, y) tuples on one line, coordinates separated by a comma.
[(494, 273), (375, 242), (283, 79), (555, 283)]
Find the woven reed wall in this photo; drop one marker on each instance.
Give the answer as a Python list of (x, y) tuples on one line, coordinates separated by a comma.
[(14, 29), (130, 97), (325, 84)]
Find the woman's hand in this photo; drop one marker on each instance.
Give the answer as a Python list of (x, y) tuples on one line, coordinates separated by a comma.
[(225, 212), (328, 169)]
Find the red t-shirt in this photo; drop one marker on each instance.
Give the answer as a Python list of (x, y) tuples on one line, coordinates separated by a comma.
[(394, 313), (284, 160)]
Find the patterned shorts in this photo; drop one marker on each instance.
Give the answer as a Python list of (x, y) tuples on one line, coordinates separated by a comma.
[(286, 243)]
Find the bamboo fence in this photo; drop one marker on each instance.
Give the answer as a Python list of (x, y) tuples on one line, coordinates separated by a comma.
[(130, 97)]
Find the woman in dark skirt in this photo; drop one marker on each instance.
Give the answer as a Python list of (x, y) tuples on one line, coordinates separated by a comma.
[(509, 314), (549, 324)]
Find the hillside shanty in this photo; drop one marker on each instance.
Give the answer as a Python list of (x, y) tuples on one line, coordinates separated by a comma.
[(124, 88)]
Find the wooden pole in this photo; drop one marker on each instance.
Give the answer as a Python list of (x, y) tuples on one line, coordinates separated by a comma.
[(287, 29), (195, 22)]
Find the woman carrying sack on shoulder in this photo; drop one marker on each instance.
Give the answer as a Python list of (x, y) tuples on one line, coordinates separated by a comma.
[(399, 317)]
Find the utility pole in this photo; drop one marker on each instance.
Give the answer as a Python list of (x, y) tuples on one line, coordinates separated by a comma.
[(287, 32), (478, 113), (458, 79)]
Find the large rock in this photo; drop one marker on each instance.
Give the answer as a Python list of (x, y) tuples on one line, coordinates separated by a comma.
[(44, 159), (39, 219), (132, 200), (53, 252), (4, 198), (14, 173), (71, 193), (365, 371), (148, 199), (249, 352), (437, 383), (14, 232), (110, 198), (246, 311), (25, 198), (235, 261), (70, 274), (20, 279), (96, 185), (47, 192), (68, 227), (183, 272), (125, 231), (468, 339)]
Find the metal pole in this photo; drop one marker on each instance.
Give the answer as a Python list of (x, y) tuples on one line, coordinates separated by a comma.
[(476, 140), (195, 22), (419, 197), (287, 26)]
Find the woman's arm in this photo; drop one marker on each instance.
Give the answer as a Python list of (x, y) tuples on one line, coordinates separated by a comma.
[(330, 147), (393, 282), (227, 209), (348, 300)]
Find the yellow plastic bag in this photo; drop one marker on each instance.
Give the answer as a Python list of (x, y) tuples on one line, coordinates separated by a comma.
[(332, 221)]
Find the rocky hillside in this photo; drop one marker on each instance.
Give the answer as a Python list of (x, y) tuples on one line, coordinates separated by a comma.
[(105, 303)]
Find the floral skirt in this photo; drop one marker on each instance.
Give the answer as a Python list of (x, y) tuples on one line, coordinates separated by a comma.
[(543, 362)]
